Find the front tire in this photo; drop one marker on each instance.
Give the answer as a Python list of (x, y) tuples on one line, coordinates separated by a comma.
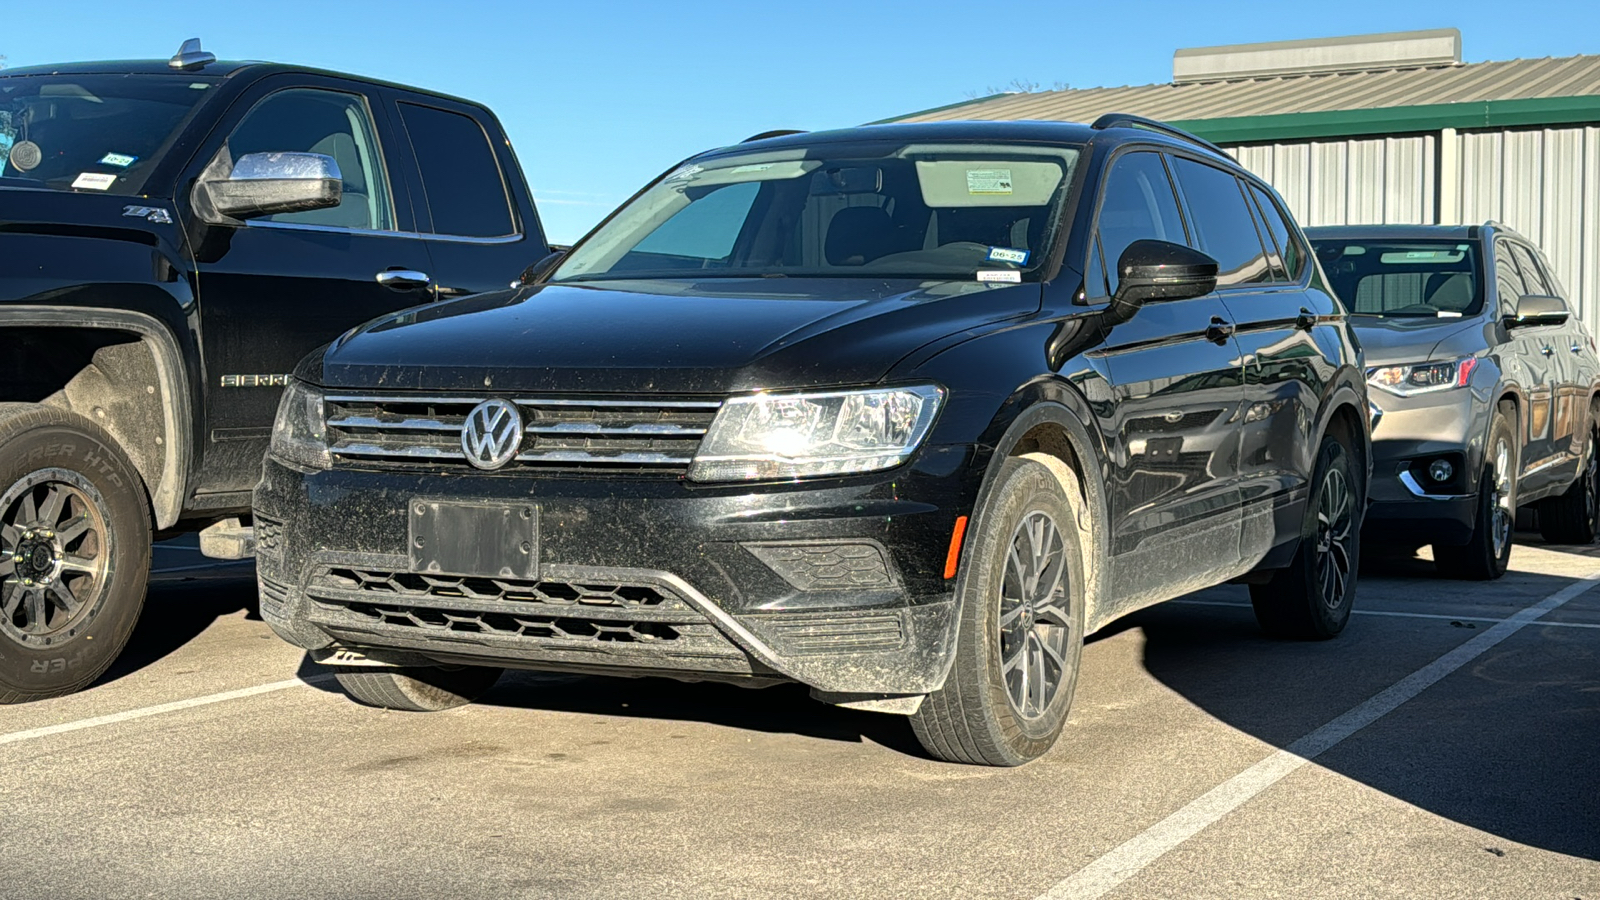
[(1487, 553), (1311, 599), (1006, 698), (74, 551), (417, 689)]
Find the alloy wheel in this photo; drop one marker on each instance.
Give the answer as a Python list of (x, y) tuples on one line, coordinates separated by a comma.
[(1504, 513), (1035, 622), (54, 556), (1335, 532)]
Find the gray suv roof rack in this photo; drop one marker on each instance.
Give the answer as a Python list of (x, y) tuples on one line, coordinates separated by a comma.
[(1126, 120)]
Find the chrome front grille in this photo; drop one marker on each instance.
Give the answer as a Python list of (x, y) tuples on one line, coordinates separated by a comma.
[(558, 432)]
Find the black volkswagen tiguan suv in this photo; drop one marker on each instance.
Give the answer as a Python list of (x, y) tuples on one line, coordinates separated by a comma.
[(898, 412)]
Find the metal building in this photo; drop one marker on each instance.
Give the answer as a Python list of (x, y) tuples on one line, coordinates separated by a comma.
[(1383, 128)]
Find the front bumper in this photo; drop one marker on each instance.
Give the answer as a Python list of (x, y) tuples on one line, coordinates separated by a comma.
[(836, 584), (1407, 505)]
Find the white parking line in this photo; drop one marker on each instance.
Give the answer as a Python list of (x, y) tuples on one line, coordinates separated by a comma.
[(157, 710), (1104, 874), (1401, 615)]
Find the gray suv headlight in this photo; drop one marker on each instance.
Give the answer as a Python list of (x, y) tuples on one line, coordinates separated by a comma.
[(299, 435), (777, 436), (1424, 377)]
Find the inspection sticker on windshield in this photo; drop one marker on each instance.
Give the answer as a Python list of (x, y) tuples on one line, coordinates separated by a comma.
[(988, 181), (94, 181), (1007, 254), (1005, 276), (120, 160)]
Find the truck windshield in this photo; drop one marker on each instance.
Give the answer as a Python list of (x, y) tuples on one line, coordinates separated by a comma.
[(1404, 278), (91, 132), (928, 211)]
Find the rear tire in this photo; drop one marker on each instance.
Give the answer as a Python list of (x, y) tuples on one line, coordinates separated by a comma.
[(1486, 554), (417, 689), (1311, 599), (74, 551), (1006, 698), (1574, 517)]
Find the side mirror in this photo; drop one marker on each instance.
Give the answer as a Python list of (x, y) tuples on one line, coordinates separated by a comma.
[(265, 184), (1538, 309), (538, 270), (1159, 270)]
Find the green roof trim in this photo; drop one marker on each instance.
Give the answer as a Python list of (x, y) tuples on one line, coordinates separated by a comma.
[(923, 112), (1396, 119)]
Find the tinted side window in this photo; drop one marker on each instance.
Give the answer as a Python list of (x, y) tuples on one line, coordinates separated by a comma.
[(1289, 249), (1138, 205), (1222, 223), (462, 181), (331, 123), (1532, 275), (1508, 281)]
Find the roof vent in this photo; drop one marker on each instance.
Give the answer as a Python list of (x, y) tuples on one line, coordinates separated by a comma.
[(1358, 53), (190, 56)]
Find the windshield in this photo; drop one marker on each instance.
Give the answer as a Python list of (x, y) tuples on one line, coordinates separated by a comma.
[(1404, 278), (91, 132), (928, 211)]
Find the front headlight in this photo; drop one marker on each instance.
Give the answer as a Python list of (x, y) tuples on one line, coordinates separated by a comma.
[(1422, 378), (299, 435), (775, 436)]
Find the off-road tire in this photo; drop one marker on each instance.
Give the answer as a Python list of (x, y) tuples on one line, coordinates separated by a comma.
[(1311, 599), (1574, 517), (48, 649), (973, 718), (1487, 552), (417, 689)]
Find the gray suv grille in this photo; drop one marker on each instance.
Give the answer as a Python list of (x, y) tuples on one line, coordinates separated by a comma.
[(558, 432)]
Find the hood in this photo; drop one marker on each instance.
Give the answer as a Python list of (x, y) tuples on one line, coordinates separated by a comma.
[(1404, 339), (713, 336), (55, 246)]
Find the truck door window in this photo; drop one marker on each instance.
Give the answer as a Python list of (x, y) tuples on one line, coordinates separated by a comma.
[(332, 123), (465, 190)]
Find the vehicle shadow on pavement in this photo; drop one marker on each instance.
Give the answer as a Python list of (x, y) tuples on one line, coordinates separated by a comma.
[(1503, 744), (780, 709)]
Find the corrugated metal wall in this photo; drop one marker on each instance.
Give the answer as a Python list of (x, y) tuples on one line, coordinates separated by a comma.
[(1545, 183)]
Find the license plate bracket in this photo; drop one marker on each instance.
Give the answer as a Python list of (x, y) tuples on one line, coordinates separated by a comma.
[(452, 537)]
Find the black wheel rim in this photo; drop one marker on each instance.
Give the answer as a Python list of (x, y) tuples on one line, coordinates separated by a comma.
[(1335, 531), (1591, 485), (54, 556), (1503, 510), (1035, 623)]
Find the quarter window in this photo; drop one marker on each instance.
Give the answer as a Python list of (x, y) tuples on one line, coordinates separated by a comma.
[(334, 124), (1138, 205), (1223, 225), (466, 193), (1289, 248)]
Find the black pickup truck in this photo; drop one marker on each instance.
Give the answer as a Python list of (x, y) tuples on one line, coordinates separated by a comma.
[(174, 236)]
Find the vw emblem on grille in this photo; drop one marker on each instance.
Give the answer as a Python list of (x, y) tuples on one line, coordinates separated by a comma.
[(492, 435)]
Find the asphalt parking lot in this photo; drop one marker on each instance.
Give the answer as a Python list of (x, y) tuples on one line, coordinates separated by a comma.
[(1452, 734)]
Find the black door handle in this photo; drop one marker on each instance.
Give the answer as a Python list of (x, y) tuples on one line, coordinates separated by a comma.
[(1219, 330), (1306, 321)]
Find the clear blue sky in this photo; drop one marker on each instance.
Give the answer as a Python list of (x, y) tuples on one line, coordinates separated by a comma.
[(601, 96)]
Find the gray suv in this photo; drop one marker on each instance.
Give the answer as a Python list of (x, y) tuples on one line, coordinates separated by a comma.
[(1484, 383)]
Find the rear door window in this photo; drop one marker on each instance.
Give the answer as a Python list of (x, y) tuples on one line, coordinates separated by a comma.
[(465, 189), (1138, 204), (1222, 222)]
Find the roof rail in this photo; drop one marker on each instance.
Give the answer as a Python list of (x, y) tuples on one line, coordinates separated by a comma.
[(781, 132), (1126, 120)]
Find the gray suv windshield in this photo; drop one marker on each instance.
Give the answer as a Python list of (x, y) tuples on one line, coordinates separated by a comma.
[(946, 211), (1404, 278), (91, 132)]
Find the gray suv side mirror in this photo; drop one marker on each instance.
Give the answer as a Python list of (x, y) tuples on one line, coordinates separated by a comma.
[(1159, 270), (1539, 309), (265, 184)]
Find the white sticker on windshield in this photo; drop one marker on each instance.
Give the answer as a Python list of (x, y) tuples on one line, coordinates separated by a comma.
[(688, 171), (120, 160), (1007, 254), (762, 167), (94, 181), (988, 181), (1007, 276)]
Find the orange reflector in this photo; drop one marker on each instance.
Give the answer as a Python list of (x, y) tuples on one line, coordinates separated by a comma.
[(954, 556)]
